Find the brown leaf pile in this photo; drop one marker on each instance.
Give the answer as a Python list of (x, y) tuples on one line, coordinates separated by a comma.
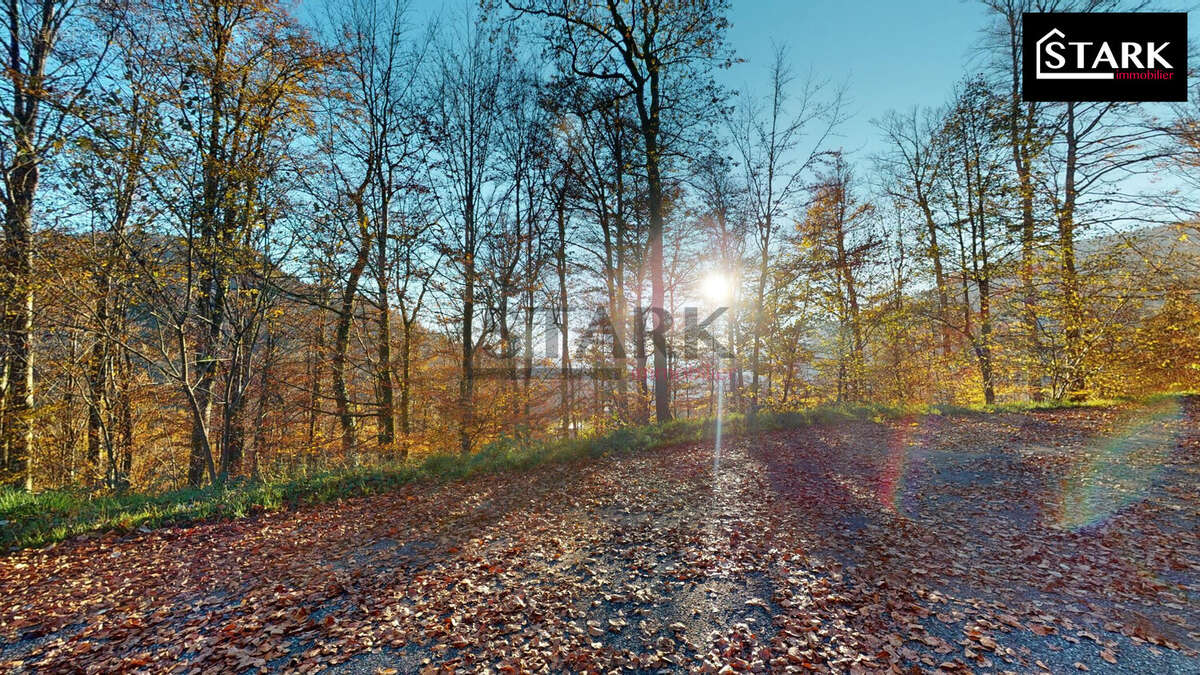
[(930, 543)]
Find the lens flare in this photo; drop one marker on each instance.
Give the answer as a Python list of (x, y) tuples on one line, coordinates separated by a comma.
[(716, 288), (1120, 469), (890, 486)]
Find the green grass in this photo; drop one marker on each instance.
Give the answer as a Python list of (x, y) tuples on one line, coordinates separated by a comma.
[(1025, 406), (1043, 406), (41, 518)]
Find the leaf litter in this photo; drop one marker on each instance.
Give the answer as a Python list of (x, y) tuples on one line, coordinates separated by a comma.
[(934, 543)]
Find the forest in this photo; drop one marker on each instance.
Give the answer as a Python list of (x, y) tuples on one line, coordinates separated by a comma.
[(250, 240)]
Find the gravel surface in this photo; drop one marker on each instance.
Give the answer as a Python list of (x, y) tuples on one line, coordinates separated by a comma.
[(1056, 541)]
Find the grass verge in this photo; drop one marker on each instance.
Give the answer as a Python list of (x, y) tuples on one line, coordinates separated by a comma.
[(41, 518)]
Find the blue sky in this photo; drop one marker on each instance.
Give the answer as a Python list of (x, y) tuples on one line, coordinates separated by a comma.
[(890, 54)]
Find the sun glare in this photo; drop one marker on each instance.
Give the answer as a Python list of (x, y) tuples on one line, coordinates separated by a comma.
[(716, 288)]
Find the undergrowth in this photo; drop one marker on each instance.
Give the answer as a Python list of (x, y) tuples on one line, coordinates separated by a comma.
[(41, 518)]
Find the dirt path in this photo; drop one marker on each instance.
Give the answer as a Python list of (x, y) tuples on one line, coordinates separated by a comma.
[(1047, 541)]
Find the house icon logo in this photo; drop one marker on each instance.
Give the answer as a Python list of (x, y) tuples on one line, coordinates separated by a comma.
[(1041, 55)]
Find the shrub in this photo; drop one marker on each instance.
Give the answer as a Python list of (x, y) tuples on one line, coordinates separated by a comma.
[(45, 517)]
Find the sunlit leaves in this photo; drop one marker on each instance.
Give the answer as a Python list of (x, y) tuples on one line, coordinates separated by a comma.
[(787, 559)]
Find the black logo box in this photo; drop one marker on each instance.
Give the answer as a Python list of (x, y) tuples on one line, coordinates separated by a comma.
[(1104, 83)]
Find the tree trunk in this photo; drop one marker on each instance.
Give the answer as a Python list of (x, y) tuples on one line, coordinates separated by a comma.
[(466, 385), (527, 356), (984, 348), (565, 380), (98, 377), (662, 397), (405, 381), (640, 333), (123, 413), (939, 274), (527, 359), (854, 381), (211, 275), (341, 343), (18, 319), (1073, 314), (5, 444), (386, 434), (211, 306), (31, 45), (620, 318), (1020, 127), (264, 401), (760, 311), (315, 373)]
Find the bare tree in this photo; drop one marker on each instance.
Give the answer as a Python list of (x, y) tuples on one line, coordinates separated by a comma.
[(836, 233), (1097, 149), (466, 101), (913, 168), (45, 79), (601, 141), (1030, 130), (525, 143), (385, 138), (106, 176), (658, 53), (778, 143), (974, 186), (236, 114)]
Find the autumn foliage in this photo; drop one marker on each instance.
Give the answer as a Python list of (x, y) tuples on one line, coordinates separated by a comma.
[(246, 246)]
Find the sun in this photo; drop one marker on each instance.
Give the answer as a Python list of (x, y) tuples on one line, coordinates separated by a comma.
[(716, 288)]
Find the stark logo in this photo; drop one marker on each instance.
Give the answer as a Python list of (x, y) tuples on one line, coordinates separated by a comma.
[(1114, 56)]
